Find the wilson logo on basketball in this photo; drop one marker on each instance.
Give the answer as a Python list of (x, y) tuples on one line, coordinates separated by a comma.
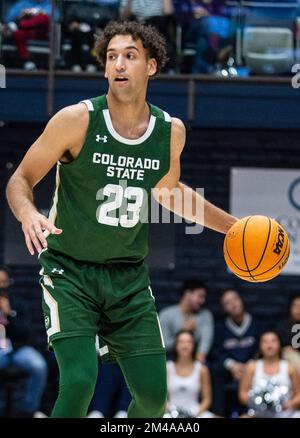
[(280, 241)]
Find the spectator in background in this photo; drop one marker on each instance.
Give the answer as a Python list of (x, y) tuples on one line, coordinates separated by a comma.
[(158, 13), (83, 20), (189, 315), (235, 343), (189, 387), (143, 10), (15, 333), (205, 24), (273, 375), (288, 332), (28, 20)]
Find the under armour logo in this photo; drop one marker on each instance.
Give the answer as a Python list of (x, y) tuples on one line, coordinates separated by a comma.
[(57, 271), (99, 138)]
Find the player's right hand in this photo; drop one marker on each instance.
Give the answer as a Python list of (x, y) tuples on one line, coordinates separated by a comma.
[(36, 228)]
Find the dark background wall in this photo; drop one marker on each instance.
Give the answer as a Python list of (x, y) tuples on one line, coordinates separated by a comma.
[(239, 103)]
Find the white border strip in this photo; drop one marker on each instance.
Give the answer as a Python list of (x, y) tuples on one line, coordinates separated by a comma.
[(161, 335), (53, 210)]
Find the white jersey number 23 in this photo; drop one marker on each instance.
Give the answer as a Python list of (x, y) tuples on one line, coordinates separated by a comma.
[(118, 198)]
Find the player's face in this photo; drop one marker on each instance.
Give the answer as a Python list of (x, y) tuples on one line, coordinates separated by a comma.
[(232, 304), (128, 67), (269, 345), (4, 280), (197, 299), (184, 345), (295, 309)]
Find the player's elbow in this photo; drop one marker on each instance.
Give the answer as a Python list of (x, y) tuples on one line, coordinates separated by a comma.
[(10, 185), (17, 180), (163, 199)]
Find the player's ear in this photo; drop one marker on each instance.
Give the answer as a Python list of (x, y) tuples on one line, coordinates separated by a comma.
[(152, 67)]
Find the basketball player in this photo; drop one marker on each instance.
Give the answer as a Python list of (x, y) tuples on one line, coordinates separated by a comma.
[(111, 151)]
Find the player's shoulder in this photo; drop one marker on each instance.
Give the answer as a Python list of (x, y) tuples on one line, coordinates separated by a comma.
[(177, 124), (177, 136), (75, 113), (71, 122), (178, 127)]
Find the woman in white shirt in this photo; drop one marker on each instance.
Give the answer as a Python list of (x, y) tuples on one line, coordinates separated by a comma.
[(274, 372), (188, 379)]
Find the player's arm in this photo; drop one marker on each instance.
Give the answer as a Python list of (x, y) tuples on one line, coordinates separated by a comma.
[(185, 201), (63, 133)]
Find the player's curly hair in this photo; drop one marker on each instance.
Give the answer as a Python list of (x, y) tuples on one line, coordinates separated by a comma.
[(152, 40)]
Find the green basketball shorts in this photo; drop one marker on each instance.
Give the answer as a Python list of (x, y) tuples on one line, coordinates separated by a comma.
[(111, 302)]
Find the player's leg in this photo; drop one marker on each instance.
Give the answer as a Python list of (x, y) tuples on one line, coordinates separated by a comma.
[(106, 390), (146, 378), (78, 370), (72, 316), (131, 334)]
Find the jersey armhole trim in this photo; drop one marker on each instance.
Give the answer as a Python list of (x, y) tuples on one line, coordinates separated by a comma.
[(89, 104), (167, 117)]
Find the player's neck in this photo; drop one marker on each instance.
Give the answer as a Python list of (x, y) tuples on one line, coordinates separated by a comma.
[(128, 115)]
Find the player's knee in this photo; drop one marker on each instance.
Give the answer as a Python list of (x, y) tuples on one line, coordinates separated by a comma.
[(83, 385)]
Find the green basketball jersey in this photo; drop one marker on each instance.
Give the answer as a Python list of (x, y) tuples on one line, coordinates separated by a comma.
[(102, 197)]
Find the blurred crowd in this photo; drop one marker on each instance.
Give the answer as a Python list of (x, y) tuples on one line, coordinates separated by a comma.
[(233, 366), (216, 37), (204, 24), (201, 35)]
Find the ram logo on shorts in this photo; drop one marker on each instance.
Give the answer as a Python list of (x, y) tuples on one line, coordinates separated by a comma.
[(47, 322)]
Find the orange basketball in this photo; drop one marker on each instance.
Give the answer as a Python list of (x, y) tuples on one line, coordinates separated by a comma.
[(256, 248)]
